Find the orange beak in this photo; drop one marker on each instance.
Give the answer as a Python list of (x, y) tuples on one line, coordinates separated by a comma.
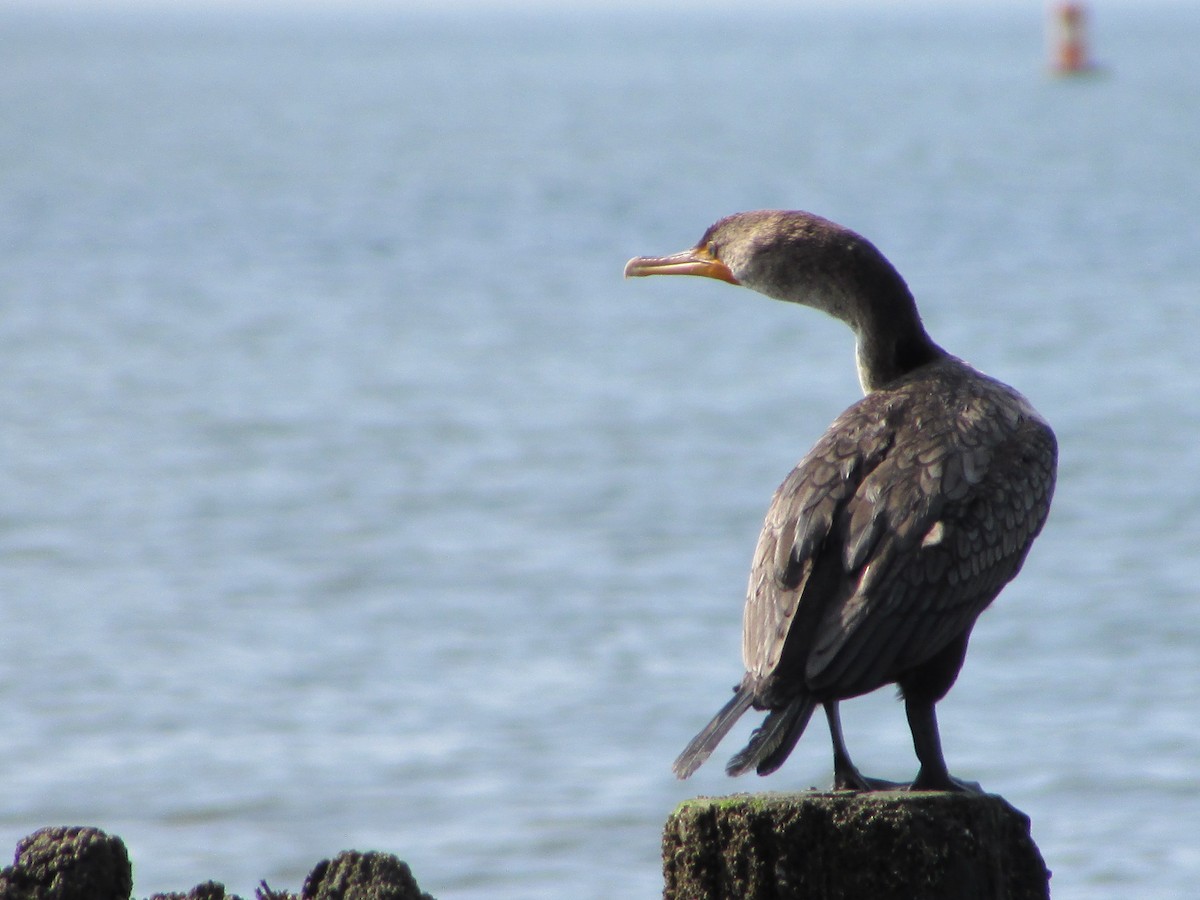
[(697, 261)]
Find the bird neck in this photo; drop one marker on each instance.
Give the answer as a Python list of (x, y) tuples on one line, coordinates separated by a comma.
[(884, 358), (891, 339)]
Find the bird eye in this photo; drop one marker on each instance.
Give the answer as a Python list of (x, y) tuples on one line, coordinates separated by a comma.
[(712, 249)]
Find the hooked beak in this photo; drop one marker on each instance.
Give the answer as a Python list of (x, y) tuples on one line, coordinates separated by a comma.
[(697, 261)]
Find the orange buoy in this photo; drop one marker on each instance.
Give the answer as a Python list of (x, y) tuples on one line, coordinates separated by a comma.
[(1070, 46)]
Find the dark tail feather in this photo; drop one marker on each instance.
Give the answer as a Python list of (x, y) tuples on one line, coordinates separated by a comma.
[(703, 744), (774, 739)]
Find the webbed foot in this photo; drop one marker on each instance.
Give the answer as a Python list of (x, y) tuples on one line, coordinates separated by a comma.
[(943, 781), (848, 778)]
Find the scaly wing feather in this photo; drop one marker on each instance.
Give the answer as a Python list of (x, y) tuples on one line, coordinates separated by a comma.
[(893, 534)]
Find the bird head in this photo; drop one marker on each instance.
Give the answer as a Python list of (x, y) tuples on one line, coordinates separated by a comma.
[(786, 255)]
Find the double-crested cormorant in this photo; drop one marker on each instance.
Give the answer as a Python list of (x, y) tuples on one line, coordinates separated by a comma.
[(897, 529)]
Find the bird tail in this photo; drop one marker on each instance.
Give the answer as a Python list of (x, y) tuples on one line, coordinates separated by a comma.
[(774, 739), (703, 744)]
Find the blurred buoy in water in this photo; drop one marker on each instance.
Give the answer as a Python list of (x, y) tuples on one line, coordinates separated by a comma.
[(1070, 49)]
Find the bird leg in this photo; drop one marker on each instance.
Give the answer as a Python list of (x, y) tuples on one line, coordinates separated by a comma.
[(933, 776), (846, 776)]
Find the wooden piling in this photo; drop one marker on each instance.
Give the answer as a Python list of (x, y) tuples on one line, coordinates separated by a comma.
[(851, 846)]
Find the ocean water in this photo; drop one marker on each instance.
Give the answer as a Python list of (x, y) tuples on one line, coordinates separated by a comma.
[(352, 500)]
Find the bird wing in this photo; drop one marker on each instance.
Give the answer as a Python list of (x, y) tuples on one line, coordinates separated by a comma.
[(794, 574), (894, 533)]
